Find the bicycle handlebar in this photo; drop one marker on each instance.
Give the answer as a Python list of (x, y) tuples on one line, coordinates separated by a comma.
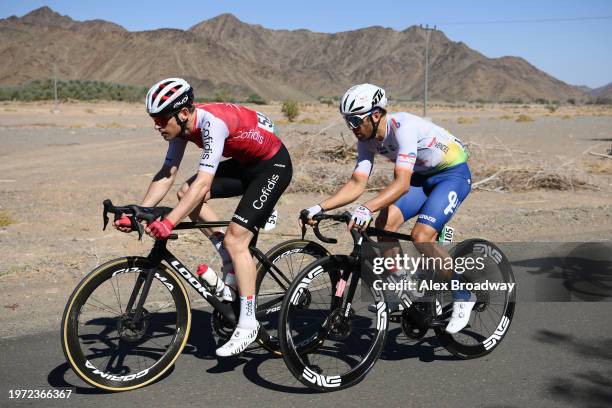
[(344, 217), (136, 214)]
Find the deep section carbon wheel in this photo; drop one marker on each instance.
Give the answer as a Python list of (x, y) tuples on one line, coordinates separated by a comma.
[(111, 347), (290, 258), (329, 343)]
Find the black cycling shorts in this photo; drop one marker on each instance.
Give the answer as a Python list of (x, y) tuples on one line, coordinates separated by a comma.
[(260, 185)]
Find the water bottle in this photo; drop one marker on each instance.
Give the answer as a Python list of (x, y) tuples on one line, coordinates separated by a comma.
[(210, 278)]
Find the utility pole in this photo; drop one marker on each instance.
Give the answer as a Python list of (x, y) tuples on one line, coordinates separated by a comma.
[(55, 104), (428, 31)]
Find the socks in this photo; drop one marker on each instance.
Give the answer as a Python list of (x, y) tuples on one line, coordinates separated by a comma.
[(247, 318)]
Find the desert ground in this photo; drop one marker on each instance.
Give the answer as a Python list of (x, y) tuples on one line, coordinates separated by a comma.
[(535, 179)]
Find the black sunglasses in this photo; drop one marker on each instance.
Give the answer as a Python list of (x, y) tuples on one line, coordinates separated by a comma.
[(354, 121)]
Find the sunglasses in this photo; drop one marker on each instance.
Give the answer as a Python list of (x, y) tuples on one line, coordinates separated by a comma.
[(161, 121), (354, 121)]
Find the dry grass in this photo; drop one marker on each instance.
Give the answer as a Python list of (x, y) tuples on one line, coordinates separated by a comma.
[(112, 125), (308, 121), (524, 118), (462, 120), (5, 219), (599, 166)]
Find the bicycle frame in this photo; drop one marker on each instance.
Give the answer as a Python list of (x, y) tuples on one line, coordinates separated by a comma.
[(160, 253)]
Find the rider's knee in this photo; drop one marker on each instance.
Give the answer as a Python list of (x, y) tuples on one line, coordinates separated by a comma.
[(233, 243), (422, 235)]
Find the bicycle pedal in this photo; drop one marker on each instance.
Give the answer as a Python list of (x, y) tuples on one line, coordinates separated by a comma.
[(395, 318), (438, 323)]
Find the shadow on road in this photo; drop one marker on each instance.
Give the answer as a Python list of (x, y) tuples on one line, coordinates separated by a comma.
[(592, 388), (573, 272)]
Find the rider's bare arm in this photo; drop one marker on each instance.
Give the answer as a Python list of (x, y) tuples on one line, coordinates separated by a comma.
[(160, 185), (398, 187), (164, 179), (193, 197), (348, 193)]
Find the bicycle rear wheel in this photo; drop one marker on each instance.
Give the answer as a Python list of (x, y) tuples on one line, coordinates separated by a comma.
[(494, 309), (101, 340), (324, 345)]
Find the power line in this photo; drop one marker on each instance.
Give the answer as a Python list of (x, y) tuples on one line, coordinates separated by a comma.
[(541, 20)]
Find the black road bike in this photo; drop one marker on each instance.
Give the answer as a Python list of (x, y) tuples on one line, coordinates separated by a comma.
[(332, 329), (128, 320)]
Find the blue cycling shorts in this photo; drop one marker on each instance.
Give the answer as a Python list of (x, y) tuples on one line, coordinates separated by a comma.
[(435, 198)]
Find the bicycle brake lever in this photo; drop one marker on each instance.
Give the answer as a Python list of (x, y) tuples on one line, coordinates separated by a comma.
[(106, 205), (105, 218), (137, 226)]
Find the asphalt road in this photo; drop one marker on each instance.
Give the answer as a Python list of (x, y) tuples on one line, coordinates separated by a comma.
[(556, 354)]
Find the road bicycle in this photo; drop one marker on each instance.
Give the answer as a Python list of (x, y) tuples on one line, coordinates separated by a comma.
[(128, 320), (334, 317)]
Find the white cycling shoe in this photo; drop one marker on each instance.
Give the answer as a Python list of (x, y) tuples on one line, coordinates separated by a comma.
[(240, 340), (461, 314)]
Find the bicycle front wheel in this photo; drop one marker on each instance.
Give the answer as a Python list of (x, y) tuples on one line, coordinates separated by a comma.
[(289, 258), (106, 344), (330, 342)]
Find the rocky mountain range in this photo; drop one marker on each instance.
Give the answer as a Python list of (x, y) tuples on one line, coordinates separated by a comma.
[(224, 53)]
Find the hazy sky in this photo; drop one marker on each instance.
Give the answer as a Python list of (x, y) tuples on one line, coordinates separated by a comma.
[(578, 51)]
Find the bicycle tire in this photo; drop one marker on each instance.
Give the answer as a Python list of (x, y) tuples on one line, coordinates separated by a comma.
[(77, 356), (280, 253), (484, 344), (301, 358)]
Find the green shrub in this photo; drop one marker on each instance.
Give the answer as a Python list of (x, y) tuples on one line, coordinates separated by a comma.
[(256, 99), (524, 118), (223, 96), (290, 109), (5, 219), (73, 89)]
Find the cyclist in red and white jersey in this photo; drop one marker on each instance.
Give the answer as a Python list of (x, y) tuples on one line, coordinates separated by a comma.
[(259, 169)]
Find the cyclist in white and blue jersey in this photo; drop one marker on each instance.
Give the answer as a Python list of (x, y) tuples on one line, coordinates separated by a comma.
[(431, 177)]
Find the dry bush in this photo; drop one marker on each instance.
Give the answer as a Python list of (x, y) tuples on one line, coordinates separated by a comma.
[(5, 219), (524, 118), (600, 166), (462, 120), (499, 168)]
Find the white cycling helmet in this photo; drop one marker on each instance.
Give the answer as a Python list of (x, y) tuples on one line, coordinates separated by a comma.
[(361, 99), (168, 96)]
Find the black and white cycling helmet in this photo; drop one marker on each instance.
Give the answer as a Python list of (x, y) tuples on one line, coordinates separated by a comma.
[(168, 96), (359, 101)]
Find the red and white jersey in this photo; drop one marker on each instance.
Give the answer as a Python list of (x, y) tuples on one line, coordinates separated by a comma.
[(226, 130)]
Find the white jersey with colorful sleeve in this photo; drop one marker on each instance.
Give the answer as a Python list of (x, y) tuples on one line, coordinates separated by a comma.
[(412, 143)]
